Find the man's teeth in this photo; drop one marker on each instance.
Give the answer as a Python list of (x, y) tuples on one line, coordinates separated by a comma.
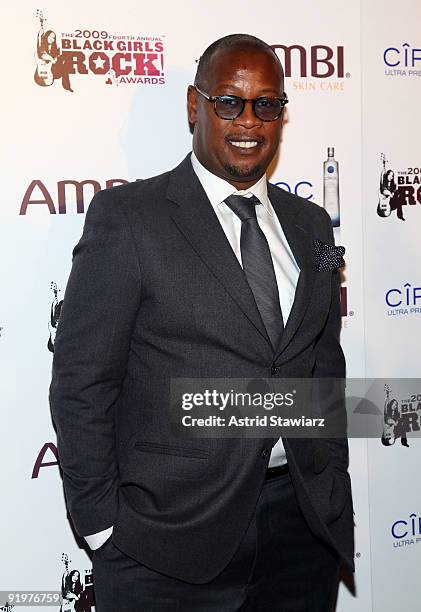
[(245, 144)]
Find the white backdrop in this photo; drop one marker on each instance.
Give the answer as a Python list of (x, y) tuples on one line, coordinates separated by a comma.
[(102, 132), (391, 256)]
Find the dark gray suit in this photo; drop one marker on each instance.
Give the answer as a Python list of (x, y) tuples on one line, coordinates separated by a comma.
[(156, 292)]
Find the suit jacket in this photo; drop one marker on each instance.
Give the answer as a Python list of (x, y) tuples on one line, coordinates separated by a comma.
[(156, 292)]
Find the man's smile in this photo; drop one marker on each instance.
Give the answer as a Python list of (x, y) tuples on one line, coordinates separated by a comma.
[(245, 143)]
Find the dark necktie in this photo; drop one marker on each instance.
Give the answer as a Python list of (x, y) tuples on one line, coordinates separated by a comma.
[(258, 265)]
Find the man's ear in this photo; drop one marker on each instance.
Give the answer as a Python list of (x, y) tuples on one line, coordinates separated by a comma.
[(192, 104)]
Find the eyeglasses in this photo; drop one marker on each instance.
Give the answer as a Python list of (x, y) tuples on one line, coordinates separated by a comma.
[(231, 107)]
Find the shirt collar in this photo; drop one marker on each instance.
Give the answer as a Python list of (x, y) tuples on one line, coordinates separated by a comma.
[(217, 189)]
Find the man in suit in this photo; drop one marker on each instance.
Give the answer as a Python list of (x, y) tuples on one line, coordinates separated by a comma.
[(206, 271)]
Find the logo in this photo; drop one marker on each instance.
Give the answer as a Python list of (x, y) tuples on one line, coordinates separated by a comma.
[(303, 189), (406, 531), (116, 59), (402, 61), (51, 449), (397, 189), (77, 593), (38, 194), (55, 311), (323, 63), (404, 300), (331, 199), (400, 416)]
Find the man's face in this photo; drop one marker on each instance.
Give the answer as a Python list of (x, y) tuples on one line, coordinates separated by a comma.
[(247, 73)]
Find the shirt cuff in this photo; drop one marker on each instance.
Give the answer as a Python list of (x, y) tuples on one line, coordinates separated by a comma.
[(96, 540)]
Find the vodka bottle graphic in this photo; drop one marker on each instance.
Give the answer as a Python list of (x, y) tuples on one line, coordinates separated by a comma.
[(331, 187)]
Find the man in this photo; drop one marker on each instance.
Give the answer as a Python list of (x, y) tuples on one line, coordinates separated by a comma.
[(173, 277)]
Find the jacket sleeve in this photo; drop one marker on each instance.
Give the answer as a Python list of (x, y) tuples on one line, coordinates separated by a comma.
[(90, 358), (330, 364)]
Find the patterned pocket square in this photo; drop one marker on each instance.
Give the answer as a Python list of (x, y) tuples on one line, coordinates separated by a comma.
[(328, 257)]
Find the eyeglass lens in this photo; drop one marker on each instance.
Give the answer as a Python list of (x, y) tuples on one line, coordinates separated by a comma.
[(230, 107)]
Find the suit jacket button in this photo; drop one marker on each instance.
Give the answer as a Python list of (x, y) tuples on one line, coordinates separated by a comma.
[(265, 453), (274, 369)]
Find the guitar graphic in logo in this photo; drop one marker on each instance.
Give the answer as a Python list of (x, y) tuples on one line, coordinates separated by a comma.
[(71, 587), (51, 63), (55, 311), (43, 73), (387, 189), (392, 421)]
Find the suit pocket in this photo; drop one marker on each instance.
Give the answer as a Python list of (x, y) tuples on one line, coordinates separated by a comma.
[(171, 449), (166, 461)]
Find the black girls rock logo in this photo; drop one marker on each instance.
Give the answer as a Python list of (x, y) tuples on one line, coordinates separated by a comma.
[(400, 416), (115, 58), (77, 591), (397, 189)]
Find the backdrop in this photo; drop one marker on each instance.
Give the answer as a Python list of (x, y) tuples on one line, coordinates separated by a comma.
[(112, 108)]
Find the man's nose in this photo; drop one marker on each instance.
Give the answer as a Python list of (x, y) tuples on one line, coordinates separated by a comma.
[(247, 117)]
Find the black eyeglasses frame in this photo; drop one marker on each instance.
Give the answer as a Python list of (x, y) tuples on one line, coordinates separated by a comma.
[(214, 99)]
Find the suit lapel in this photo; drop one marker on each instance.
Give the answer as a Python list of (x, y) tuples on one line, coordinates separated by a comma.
[(197, 221), (300, 240)]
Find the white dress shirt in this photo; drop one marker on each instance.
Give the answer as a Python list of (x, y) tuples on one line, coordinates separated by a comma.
[(286, 268)]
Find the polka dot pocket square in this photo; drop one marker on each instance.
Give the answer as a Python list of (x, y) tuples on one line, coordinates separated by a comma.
[(328, 257)]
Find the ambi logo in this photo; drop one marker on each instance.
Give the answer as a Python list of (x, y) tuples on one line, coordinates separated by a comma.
[(402, 61), (320, 62), (68, 190), (319, 67)]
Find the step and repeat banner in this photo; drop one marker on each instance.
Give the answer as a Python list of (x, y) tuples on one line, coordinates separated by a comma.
[(110, 107), (391, 163)]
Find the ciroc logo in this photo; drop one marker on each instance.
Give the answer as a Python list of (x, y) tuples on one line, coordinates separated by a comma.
[(404, 300), (403, 60), (406, 531)]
